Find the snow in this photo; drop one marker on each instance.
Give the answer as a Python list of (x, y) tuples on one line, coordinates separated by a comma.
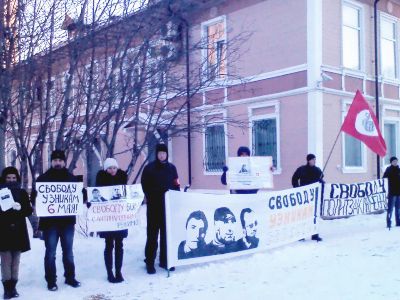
[(358, 259)]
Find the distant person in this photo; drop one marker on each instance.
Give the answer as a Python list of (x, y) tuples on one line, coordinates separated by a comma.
[(196, 229), (97, 197), (308, 174), (14, 237), (249, 225), (109, 176), (224, 239), (241, 152), (392, 173), (158, 177)]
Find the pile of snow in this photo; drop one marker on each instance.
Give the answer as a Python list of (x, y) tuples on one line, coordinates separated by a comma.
[(358, 259)]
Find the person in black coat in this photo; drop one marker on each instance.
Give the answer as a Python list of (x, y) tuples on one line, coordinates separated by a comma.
[(112, 175), (14, 237), (308, 174), (392, 173), (242, 152), (58, 228), (158, 177)]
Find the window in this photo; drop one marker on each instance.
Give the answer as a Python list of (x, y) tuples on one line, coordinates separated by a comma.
[(390, 134), (216, 50), (265, 139), (214, 148), (388, 47), (351, 37), (353, 152)]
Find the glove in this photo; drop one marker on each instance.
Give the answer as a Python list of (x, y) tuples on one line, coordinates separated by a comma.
[(16, 206), (88, 204), (225, 169)]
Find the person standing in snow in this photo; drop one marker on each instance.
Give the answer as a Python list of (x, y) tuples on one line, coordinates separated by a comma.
[(158, 177), (58, 228), (112, 175), (308, 174), (392, 173), (14, 237)]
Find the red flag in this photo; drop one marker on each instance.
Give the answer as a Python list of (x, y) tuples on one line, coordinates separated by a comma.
[(362, 124)]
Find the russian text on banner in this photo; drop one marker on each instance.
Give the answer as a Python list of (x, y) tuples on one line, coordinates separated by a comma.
[(206, 227), (113, 207), (252, 172), (59, 199), (343, 200)]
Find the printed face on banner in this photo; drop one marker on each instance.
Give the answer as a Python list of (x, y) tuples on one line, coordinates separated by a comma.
[(115, 192), (195, 233)]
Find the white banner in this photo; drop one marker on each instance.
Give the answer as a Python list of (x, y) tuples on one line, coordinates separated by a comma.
[(252, 172), (59, 199), (350, 199), (206, 227), (6, 199), (113, 207)]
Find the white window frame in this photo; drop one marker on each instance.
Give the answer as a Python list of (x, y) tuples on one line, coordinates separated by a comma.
[(394, 20), (391, 120), (395, 122), (355, 5), (349, 169), (223, 122), (275, 115), (204, 54)]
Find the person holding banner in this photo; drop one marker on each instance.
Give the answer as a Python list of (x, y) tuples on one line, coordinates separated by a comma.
[(392, 173), (243, 151), (112, 175), (14, 237), (158, 177), (308, 174), (58, 227)]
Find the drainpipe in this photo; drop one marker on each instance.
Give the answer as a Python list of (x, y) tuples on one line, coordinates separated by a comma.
[(378, 161)]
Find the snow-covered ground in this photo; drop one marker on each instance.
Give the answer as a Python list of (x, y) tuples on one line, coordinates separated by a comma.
[(358, 259)]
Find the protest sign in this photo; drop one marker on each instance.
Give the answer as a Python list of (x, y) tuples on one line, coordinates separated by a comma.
[(59, 199), (349, 199), (113, 207), (206, 227), (252, 172), (6, 199)]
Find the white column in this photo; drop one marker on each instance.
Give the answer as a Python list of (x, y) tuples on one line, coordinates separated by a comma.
[(314, 62)]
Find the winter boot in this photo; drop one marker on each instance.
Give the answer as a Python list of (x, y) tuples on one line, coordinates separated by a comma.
[(7, 289), (13, 290), (150, 269), (119, 257), (108, 260), (316, 237)]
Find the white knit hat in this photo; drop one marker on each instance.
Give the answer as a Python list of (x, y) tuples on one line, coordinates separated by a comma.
[(110, 162)]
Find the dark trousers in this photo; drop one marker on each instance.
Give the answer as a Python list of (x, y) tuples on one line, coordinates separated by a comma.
[(393, 201), (156, 225), (112, 242), (51, 236)]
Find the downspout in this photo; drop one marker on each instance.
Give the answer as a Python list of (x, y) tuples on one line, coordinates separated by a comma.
[(378, 162)]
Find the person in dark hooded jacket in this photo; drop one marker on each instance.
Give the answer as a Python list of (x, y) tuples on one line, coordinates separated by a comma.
[(14, 237), (112, 175), (158, 177), (392, 173), (306, 175), (58, 228), (242, 152)]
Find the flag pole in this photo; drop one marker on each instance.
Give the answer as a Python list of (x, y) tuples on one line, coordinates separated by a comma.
[(330, 153)]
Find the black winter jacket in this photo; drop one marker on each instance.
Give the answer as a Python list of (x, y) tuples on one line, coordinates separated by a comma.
[(105, 179), (13, 231), (157, 179), (55, 175), (307, 175), (392, 173)]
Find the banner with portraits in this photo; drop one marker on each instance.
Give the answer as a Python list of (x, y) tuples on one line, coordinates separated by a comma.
[(206, 227), (343, 200), (6, 199), (113, 207), (59, 199), (250, 172)]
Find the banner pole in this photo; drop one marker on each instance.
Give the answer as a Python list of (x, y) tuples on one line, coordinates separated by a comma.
[(330, 153)]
